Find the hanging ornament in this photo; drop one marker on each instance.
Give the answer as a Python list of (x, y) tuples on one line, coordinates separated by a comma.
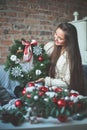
[(46, 99), (18, 103), (58, 89), (36, 97), (41, 93), (16, 71), (13, 57), (40, 58), (28, 95), (61, 103), (67, 98), (24, 92), (38, 72), (31, 84), (43, 88), (62, 118)]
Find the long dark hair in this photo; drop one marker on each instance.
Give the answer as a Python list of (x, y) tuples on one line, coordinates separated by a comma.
[(72, 47)]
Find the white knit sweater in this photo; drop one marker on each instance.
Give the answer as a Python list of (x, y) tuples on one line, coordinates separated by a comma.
[(62, 70)]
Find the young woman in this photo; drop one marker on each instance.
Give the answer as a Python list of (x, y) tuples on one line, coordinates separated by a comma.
[(66, 65)]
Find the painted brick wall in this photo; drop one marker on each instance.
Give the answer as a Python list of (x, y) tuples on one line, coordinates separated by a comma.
[(34, 19)]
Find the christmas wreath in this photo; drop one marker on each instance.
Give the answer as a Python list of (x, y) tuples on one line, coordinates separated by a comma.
[(38, 101), (27, 61)]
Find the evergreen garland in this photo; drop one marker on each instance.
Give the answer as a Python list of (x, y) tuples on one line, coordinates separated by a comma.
[(36, 100)]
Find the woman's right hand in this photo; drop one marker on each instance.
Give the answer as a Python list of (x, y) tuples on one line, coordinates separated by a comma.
[(40, 80)]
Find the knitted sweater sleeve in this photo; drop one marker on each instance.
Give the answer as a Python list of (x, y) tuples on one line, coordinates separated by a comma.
[(48, 47), (55, 82), (62, 76)]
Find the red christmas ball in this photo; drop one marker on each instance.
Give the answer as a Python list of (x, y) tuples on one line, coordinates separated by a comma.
[(43, 88), (28, 95), (74, 94), (40, 58), (62, 118), (31, 84), (24, 92), (41, 93), (61, 103), (58, 90), (18, 103)]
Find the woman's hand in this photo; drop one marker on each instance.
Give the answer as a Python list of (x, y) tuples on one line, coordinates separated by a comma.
[(40, 80)]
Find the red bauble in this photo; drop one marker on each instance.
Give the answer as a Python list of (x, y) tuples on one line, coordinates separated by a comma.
[(18, 103), (28, 95), (74, 94), (41, 93), (24, 92), (31, 84), (61, 103), (43, 88), (40, 58), (58, 90), (62, 118)]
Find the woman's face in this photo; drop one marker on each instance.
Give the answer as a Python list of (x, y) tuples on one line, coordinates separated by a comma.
[(59, 37)]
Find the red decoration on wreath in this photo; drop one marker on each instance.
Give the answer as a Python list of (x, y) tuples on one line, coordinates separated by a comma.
[(40, 58), (58, 90), (28, 95), (41, 93), (18, 103), (31, 84), (24, 92), (27, 51)]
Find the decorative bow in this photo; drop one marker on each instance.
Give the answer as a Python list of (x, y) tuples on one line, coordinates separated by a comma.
[(28, 50)]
